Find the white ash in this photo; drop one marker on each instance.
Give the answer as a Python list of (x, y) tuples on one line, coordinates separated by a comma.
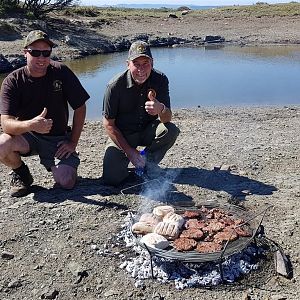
[(186, 274)]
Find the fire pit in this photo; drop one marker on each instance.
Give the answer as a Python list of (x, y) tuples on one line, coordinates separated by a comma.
[(192, 268)]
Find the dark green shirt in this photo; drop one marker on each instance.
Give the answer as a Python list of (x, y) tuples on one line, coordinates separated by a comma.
[(124, 100)]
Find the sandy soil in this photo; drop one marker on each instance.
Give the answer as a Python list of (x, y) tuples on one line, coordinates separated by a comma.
[(57, 239)]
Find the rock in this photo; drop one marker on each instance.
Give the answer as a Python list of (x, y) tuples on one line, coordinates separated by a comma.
[(172, 16), (50, 294), (214, 39), (5, 65), (7, 255), (14, 284)]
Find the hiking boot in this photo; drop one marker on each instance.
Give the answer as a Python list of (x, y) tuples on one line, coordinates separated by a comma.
[(19, 186)]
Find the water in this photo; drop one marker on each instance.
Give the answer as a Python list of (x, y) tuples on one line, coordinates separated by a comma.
[(206, 76)]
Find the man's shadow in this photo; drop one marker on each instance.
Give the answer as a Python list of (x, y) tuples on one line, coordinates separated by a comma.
[(235, 185), (87, 190)]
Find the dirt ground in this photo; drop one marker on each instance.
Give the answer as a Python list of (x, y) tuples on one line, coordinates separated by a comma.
[(62, 244), (57, 244)]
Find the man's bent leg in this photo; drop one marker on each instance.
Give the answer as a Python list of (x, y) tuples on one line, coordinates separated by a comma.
[(64, 175), (10, 149), (163, 138), (115, 165)]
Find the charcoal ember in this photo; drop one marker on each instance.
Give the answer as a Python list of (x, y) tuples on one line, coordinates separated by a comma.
[(184, 244), (206, 247), (194, 223), (192, 233), (228, 234)]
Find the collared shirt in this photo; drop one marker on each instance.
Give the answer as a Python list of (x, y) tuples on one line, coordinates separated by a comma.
[(124, 100)]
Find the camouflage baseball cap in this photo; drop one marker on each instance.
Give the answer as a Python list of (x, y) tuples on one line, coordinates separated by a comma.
[(137, 49), (37, 35)]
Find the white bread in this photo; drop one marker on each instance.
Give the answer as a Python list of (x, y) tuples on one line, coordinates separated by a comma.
[(172, 217), (155, 240), (150, 219), (162, 210), (169, 230), (142, 228)]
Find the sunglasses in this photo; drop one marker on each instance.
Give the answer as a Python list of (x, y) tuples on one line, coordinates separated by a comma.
[(38, 53)]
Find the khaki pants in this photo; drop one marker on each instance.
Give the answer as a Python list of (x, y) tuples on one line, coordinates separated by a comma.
[(157, 138)]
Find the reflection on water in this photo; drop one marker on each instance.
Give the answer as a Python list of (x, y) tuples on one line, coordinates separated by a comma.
[(214, 75)]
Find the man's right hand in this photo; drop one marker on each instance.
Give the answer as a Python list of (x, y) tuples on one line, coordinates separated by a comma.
[(136, 158), (40, 124)]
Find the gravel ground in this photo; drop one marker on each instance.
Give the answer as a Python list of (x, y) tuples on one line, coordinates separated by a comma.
[(57, 244)]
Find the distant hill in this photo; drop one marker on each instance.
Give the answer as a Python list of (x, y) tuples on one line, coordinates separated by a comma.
[(141, 6)]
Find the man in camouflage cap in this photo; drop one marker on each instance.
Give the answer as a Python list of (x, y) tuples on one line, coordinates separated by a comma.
[(34, 103), (136, 113), (37, 35)]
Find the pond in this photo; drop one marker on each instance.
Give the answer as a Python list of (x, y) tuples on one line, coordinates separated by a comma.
[(206, 76)]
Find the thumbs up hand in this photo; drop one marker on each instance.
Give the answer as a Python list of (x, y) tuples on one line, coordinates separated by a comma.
[(153, 106), (40, 124)]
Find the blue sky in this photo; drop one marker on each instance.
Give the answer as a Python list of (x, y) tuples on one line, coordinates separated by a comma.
[(179, 2)]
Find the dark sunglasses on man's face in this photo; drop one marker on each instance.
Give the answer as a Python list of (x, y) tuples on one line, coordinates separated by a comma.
[(38, 53)]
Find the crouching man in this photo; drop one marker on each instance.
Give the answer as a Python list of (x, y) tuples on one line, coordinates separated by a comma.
[(34, 111)]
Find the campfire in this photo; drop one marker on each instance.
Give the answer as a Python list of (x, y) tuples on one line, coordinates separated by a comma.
[(197, 246), (196, 251)]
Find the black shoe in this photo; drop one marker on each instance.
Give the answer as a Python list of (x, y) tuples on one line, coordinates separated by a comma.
[(19, 186)]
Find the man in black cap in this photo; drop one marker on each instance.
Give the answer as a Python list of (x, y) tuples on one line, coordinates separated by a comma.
[(136, 112), (34, 116)]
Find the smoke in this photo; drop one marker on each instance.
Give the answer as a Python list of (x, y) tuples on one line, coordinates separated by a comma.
[(157, 190)]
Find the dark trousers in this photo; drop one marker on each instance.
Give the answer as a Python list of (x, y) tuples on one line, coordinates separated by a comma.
[(157, 137)]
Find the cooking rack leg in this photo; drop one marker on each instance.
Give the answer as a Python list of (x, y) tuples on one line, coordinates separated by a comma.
[(151, 261), (221, 269)]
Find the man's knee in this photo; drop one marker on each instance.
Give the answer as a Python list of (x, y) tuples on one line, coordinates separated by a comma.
[(65, 176), (5, 141), (115, 166), (167, 132), (173, 130)]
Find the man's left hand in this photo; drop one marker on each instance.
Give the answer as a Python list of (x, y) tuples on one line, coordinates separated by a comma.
[(153, 106), (65, 149)]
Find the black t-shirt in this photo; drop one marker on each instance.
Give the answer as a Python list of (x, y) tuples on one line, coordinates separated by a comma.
[(125, 101), (25, 97)]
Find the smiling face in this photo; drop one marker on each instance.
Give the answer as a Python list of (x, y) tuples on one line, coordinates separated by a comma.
[(37, 66), (140, 68)]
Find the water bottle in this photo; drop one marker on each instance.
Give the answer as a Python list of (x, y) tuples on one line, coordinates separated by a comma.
[(140, 170)]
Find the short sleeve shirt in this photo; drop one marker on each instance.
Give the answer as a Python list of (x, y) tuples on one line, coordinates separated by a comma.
[(125, 101), (25, 97)]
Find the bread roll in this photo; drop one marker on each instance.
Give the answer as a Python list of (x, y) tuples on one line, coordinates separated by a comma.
[(161, 211), (169, 230), (172, 217), (155, 240), (150, 219), (142, 228)]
